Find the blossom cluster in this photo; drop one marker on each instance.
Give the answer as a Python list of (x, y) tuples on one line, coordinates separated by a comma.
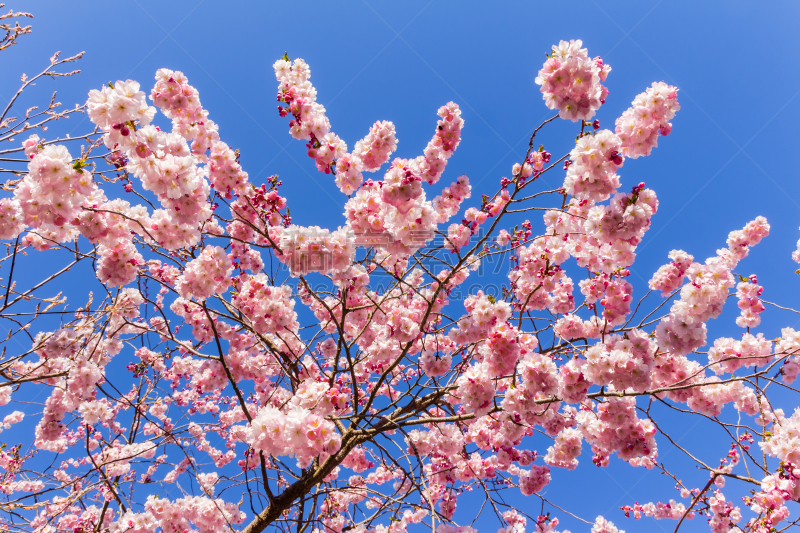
[(269, 309), (669, 277), (206, 275), (595, 160), (751, 307), (684, 329), (572, 82), (313, 249), (648, 117), (298, 433)]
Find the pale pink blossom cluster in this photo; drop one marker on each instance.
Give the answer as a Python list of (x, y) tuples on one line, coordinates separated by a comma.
[(319, 397), (256, 219), (374, 149), (569, 327), (79, 357), (173, 94), (436, 357), (676, 370), (32, 145), (330, 152), (180, 102), (595, 160), (9, 487), (538, 281), (495, 207), (14, 418), (533, 480), (475, 389), (269, 309), (365, 214), (533, 398), (377, 223), (325, 147), (750, 305), (515, 522), (503, 347), (617, 300), (458, 236), (295, 89), (572, 82), (485, 314), (298, 433), (442, 444), (533, 165), (114, 108), (116, 459), (724, 516), (789, 345), (624, 362), (626, 218), (783, 442), (357, 460), (349, 175), (777, 489), (615, 427), (610, 249), (449, 202), (443, 144), (11, 219), (108, 222), (728, 355), (684, 329), (672, 510), (796, 253), (669, 277), (648, 117), (566, 449), (394, 213), (165, 164), (539, 380), (225, 172), (447, 528), (326, 150), (601, 525), (54, 190), (96, 411), (206, 275), (401, 185), (205, 514), (573, 385), (313, 249), (118, 264)]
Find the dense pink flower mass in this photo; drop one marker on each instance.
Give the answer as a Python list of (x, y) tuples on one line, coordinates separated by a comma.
[(648, 117), (206, 275), (571, 81), (595, 160), (237, 367), (53, 191)]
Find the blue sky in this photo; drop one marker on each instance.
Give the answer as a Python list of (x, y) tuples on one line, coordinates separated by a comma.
[(728, 159)]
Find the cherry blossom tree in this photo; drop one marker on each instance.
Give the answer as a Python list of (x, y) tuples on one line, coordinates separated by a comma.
[(256, 371)]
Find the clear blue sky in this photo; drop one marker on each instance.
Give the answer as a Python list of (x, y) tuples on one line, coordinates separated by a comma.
[(730, 156)]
